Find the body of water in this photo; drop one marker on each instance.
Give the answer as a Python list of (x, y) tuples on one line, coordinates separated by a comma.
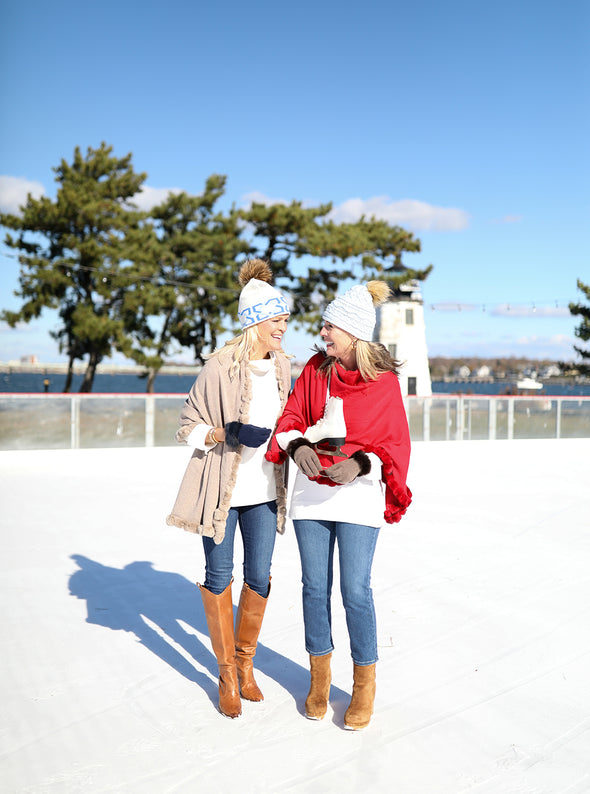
[(507, 387), (33, 383)]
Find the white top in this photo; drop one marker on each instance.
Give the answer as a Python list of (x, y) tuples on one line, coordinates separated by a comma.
[(255, 482), (361, 501)]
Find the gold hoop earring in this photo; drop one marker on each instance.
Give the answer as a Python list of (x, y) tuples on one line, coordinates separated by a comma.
[(354, 343)]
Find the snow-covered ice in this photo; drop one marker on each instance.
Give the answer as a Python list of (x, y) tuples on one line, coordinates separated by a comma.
[(483, 603)]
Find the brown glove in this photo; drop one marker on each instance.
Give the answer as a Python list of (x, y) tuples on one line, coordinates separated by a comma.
[(305, 457), (347, 470)]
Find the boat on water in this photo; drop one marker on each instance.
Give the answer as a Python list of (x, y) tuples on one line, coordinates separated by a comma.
[(528, 384)]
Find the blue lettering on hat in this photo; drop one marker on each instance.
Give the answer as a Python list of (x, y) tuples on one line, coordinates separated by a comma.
[(252, 315)]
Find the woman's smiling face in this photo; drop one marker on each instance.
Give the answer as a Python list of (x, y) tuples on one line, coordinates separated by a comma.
[(339, 343), (270, 335)]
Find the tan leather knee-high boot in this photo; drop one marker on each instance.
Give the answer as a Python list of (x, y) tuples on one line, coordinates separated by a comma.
[(316, 704), (248, 622), (220, 622), (358, 714)]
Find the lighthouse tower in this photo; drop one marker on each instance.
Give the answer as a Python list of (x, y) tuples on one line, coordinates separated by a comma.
[(400, 327)]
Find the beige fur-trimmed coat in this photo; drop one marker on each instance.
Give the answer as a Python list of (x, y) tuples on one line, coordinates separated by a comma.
[(218, 397)]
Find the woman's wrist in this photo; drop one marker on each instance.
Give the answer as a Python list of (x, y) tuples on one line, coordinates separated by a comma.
[(215, 436), (210, 440)]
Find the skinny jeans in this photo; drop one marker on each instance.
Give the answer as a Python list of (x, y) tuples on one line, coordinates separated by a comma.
[(258, 527), (356, 548)]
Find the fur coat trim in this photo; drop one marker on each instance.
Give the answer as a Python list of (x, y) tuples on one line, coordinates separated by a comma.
[(216, 398)]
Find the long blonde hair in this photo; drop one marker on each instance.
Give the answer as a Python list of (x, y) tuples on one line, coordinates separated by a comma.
[(372, 360), (240, 347)]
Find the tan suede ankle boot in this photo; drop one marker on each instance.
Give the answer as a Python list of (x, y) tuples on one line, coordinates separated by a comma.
[(358, 714), (220, 622), (316, 704)]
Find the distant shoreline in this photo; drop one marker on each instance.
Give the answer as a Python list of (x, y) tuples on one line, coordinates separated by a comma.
[(113, 379), (61, 368)]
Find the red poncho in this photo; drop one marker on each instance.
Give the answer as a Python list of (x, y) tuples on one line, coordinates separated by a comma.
[(375, 422)]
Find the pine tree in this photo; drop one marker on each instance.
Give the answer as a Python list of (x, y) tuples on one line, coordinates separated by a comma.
[(364, 250), (71, 252), (148, 284), (583, 330), (185, 290)]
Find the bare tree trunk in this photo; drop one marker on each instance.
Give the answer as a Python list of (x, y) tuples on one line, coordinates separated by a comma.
[(90, 373), (151, 379), (69, 376)]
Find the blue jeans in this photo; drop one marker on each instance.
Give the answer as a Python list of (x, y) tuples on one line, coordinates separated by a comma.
[(356, 547), (258, 525)]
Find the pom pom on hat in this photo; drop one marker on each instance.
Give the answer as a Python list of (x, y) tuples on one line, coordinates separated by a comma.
[(355, 310), (254, 268), (380, 291), (259, 300)]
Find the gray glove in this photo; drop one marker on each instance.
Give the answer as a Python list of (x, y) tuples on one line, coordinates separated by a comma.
[(347, 470), (305, 457)]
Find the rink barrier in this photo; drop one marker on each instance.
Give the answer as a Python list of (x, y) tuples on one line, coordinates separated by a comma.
[(59, 421)]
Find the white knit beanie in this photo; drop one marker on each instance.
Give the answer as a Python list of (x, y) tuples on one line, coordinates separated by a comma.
[(258, 302), (353, 312)]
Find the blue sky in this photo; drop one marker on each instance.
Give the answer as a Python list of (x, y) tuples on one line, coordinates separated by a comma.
[(466, 122)]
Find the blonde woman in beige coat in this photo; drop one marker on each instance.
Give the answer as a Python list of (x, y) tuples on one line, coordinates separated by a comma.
[(228, 417)]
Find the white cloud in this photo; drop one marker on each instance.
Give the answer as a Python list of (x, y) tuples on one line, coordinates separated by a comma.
[(450, 306), (410, 213), (510, 219), (259, 198), (149, 197), (557, 346), (555, 339), (509, 310), (417, 215), (14, 191)]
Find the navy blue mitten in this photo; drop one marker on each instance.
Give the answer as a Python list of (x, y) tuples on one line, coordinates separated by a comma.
[(249, 435)]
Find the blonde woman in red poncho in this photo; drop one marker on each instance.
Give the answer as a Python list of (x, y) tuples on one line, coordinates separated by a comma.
[(228, 418), (345, 427)]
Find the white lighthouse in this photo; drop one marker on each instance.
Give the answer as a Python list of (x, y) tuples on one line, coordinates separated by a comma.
[(400, 327)]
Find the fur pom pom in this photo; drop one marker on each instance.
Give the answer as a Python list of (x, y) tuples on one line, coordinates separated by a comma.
[(255, 268), (379, 292)]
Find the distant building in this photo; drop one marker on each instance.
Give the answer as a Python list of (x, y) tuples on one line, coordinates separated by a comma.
[(400, 327), (484, 371)]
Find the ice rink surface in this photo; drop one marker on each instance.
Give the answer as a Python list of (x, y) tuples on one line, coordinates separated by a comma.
[(483, 604)]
